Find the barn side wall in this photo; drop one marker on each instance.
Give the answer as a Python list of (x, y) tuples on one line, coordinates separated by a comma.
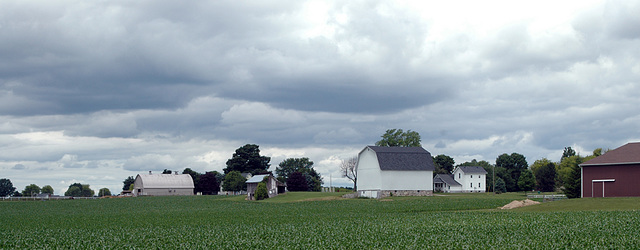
[(407, 180), (166, 191), (627, 180)]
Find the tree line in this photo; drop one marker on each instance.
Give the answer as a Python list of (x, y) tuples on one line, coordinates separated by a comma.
[(297, 173), (74, 190)]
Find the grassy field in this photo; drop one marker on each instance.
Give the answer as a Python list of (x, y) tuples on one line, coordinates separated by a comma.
[(319, 221)]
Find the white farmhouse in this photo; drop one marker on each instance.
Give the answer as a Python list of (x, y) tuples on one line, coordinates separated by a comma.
[(472, 179), (394, 171), (162, 184)]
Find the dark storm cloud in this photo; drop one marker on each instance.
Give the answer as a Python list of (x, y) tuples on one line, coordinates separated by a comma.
[(84, 58)]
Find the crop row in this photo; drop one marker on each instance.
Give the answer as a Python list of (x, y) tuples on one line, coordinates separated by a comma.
[(215, 222)]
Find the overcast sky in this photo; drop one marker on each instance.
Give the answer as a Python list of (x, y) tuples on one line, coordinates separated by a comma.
[(95, 91)]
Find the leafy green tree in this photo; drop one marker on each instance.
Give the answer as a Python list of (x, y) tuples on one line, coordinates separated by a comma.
[(290, 165), (399, 138), (568, 152), (234, 181), (166, 171), (538, 164), (303, 166), (500, 186), (6, 187), (208, 184), (79, 190), (526, 181), (348, 169), (73, 191), (297, 182), (514, 164), (570, 174), (545, 176), (261, 191), (195, 176), (31, 190), (86, 191), (444, 164), (104, 192), (247, 159), (48, 189), (127, 183)]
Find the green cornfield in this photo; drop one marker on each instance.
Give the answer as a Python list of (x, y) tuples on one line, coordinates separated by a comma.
[(206, 222)]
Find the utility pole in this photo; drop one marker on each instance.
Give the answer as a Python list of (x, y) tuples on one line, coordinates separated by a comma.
[(494, 179)]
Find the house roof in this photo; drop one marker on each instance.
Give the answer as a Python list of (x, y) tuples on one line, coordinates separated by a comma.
[(166, 180), (626, 154), (257, 178), (446, 178), (403, 158), (473, 170)]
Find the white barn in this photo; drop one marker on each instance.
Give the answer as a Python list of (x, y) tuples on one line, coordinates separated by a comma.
[(162, 184), (472, 179), (394, 171)]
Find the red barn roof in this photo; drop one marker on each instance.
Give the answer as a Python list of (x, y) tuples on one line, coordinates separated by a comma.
[(627, 154)]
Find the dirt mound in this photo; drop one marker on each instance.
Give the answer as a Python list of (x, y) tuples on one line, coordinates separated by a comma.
[(517, 204)]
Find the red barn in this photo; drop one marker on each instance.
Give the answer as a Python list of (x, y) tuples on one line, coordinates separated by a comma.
[(613, 174)]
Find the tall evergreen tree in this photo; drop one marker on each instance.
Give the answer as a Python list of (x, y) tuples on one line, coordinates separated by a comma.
[(500, 186)]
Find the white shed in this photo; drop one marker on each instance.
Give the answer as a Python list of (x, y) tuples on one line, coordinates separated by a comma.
[(163, 184), (394, 171), (472, 179)]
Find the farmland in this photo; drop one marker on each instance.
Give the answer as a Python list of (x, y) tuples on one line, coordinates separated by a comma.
[(318, 221)]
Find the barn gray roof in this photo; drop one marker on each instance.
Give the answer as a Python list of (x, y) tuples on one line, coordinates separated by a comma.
[(257, 178), (403, 158), (627, 154), (473, 170), (446, 178), (166, 180)]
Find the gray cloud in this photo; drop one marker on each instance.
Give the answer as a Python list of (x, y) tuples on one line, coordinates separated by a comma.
[(111, 89), (19, 167)]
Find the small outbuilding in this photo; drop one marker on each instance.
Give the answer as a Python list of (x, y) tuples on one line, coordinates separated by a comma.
[(394, 171), (613, 174), (272, 185), (446, 184), (162, 184)]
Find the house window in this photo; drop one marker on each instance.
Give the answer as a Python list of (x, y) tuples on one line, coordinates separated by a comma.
[(471, 184), (471, 176), (479, 184), (459, 176)]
